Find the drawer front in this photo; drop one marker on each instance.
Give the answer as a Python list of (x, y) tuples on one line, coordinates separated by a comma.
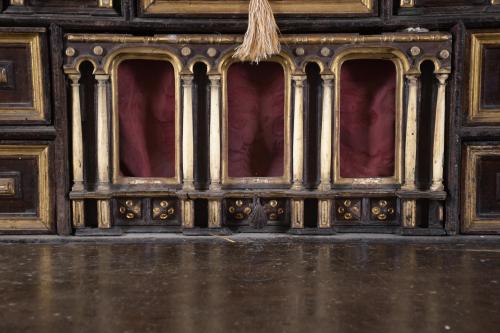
[(484, 77), (345, 7), (24, 187), (481, 191), (22, 97), (73, 7), (440, 7)]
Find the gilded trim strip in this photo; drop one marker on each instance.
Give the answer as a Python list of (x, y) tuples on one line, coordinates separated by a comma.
[(42, 219)]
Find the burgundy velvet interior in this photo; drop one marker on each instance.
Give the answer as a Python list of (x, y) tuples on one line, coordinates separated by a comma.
[(146, 105), (367, 118), (256, 120)]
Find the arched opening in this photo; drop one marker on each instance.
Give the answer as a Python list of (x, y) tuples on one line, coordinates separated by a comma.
[(256, 120), (146, 106), (368, 112)]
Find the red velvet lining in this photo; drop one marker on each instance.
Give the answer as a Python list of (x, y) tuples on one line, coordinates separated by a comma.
[(146, 104), (256, 99), (367, 118)]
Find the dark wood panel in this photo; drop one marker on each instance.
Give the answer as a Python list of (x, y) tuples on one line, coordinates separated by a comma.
[(24, 201), (444, 3), (488, 186), (17, 90), (490, 92)]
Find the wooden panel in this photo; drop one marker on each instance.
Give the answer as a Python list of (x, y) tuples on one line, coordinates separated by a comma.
[(241, 6), (481, 200), (21, 78), (484, 76), (24, 187), (448, 3), (61, 6)]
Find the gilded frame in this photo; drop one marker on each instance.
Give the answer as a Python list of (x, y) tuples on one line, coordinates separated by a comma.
[(370, 53), (471, 221), (35, 112), (287, 168), (144, 54), (203, 7), (42, 220), (476, 112)]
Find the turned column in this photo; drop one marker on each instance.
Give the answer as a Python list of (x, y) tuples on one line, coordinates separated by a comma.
[(411, 133), (326, 134), (103, 206), (77, 145), (298, 132), (215, 133), (187, 133), (439, 133)]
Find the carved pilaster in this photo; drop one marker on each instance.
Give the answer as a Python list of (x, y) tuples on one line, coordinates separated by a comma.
[(214, 213), (215, 133), (326, 134), (77, 140), (298, 132), (439, 133), (187, 133), (324, 214), (104, 214), (409, 213), (103, 154), (297, 214), (411, 133), (187, 214)]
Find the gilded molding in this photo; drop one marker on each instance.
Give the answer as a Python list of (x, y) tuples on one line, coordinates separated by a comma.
[(476, 112), (42, 219), (471, 221), (105, 3), (111, 65), (35, 111), (287, 168), (241, 7), (402, 66), (407, 3), (7, 187), (286, 39)]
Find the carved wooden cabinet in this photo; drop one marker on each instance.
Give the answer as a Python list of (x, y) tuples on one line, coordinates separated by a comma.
[(133, 116)]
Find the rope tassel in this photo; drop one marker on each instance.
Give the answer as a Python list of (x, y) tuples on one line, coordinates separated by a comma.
[(261, 39)]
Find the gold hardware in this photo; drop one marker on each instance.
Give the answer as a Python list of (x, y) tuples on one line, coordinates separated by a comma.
[(444, 54), (382, 217), (415, 51), (123, 210), (325, 52), (390, 210), (239, 203), (341, 210), (171, 211), (70, 52), (247, 210), (17, 2), (407, 3), (376, 210), (164, 204), (130, 216), (98, 50), (273, 203), (273, 216), (211, 52), (239, 216), (280, 211), (231, 210), (347, 203), (186, 51), (106, 3), (300, 51), (3, 75), (7, 187), (163, 216), (129, 203), (382, 203), (348, 216), (156, 210)]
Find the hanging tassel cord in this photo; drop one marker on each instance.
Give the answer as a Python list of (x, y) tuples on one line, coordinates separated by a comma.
[(262, 37), (258, 218)]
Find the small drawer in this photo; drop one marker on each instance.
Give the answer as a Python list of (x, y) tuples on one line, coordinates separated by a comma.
[(22, 93), (330, 7), (70, 7), (24, 188), (481, 189)]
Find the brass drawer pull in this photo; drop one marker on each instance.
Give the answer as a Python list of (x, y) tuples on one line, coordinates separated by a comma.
[(7, 187)]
